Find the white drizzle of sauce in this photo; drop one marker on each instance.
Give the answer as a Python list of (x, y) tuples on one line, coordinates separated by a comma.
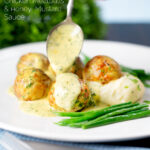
[(64, 46)]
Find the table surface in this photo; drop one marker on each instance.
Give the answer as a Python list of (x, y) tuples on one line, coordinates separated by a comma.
[(133, 33)]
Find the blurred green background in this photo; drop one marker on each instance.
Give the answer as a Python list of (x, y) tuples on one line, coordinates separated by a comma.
[(23, 21)]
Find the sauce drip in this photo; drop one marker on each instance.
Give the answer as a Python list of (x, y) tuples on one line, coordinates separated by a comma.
[(67, 89)]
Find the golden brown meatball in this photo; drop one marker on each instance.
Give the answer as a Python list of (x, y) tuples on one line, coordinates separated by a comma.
[(35, 60), (102, 69), (31, 84), (76, 104), (77, 67)]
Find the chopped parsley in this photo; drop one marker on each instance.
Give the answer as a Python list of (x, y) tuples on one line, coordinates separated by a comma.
[(33, 70), (126, 87), (138, 87), (134, 80), (77, 101), (93, 94), (80, 105), (29, 85), (109, 68), (102, 71), (23, 97)]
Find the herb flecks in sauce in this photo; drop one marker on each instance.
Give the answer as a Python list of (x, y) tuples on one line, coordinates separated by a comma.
[(29, 85), (63, 47), (67, 89)]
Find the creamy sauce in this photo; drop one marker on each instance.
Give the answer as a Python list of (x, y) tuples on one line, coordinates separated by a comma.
[(64, 46), (51, 73), (67, 89), (127, 88), (42, 108), (39, 107), (94, 88), (11, 91)]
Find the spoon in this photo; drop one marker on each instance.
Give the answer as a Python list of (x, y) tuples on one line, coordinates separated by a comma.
[(64, 43)]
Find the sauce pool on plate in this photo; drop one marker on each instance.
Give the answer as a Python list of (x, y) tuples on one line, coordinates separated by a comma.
[(39, 107), (42, 108)]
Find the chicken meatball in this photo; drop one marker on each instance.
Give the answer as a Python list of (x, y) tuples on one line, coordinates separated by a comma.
[(68, 93), (77, 67), (31, 84), (35, 60), (102, 69)]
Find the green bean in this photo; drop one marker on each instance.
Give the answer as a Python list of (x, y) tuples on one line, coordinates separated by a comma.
[(136, 72), (135, 111), (145, 82), (140, 73), (86, 58), (129, 70), (116, 119), (114, 113), (147, 101), (93, 115), (77, 114)]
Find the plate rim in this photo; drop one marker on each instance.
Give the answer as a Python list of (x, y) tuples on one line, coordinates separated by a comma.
[(34, 134)]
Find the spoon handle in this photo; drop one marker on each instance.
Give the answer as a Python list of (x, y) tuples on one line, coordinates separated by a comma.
[(69, 8)]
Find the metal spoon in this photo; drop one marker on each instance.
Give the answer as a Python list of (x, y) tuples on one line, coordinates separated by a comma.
[(67, 21)]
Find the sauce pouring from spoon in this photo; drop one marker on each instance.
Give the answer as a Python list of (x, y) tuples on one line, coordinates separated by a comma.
[(64, 43)]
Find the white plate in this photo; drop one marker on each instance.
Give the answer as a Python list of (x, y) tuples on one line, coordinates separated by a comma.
[(11, 118)]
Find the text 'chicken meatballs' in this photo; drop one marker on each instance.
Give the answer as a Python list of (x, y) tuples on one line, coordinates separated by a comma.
[(102, 69), (31, 84), (68, 93)]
